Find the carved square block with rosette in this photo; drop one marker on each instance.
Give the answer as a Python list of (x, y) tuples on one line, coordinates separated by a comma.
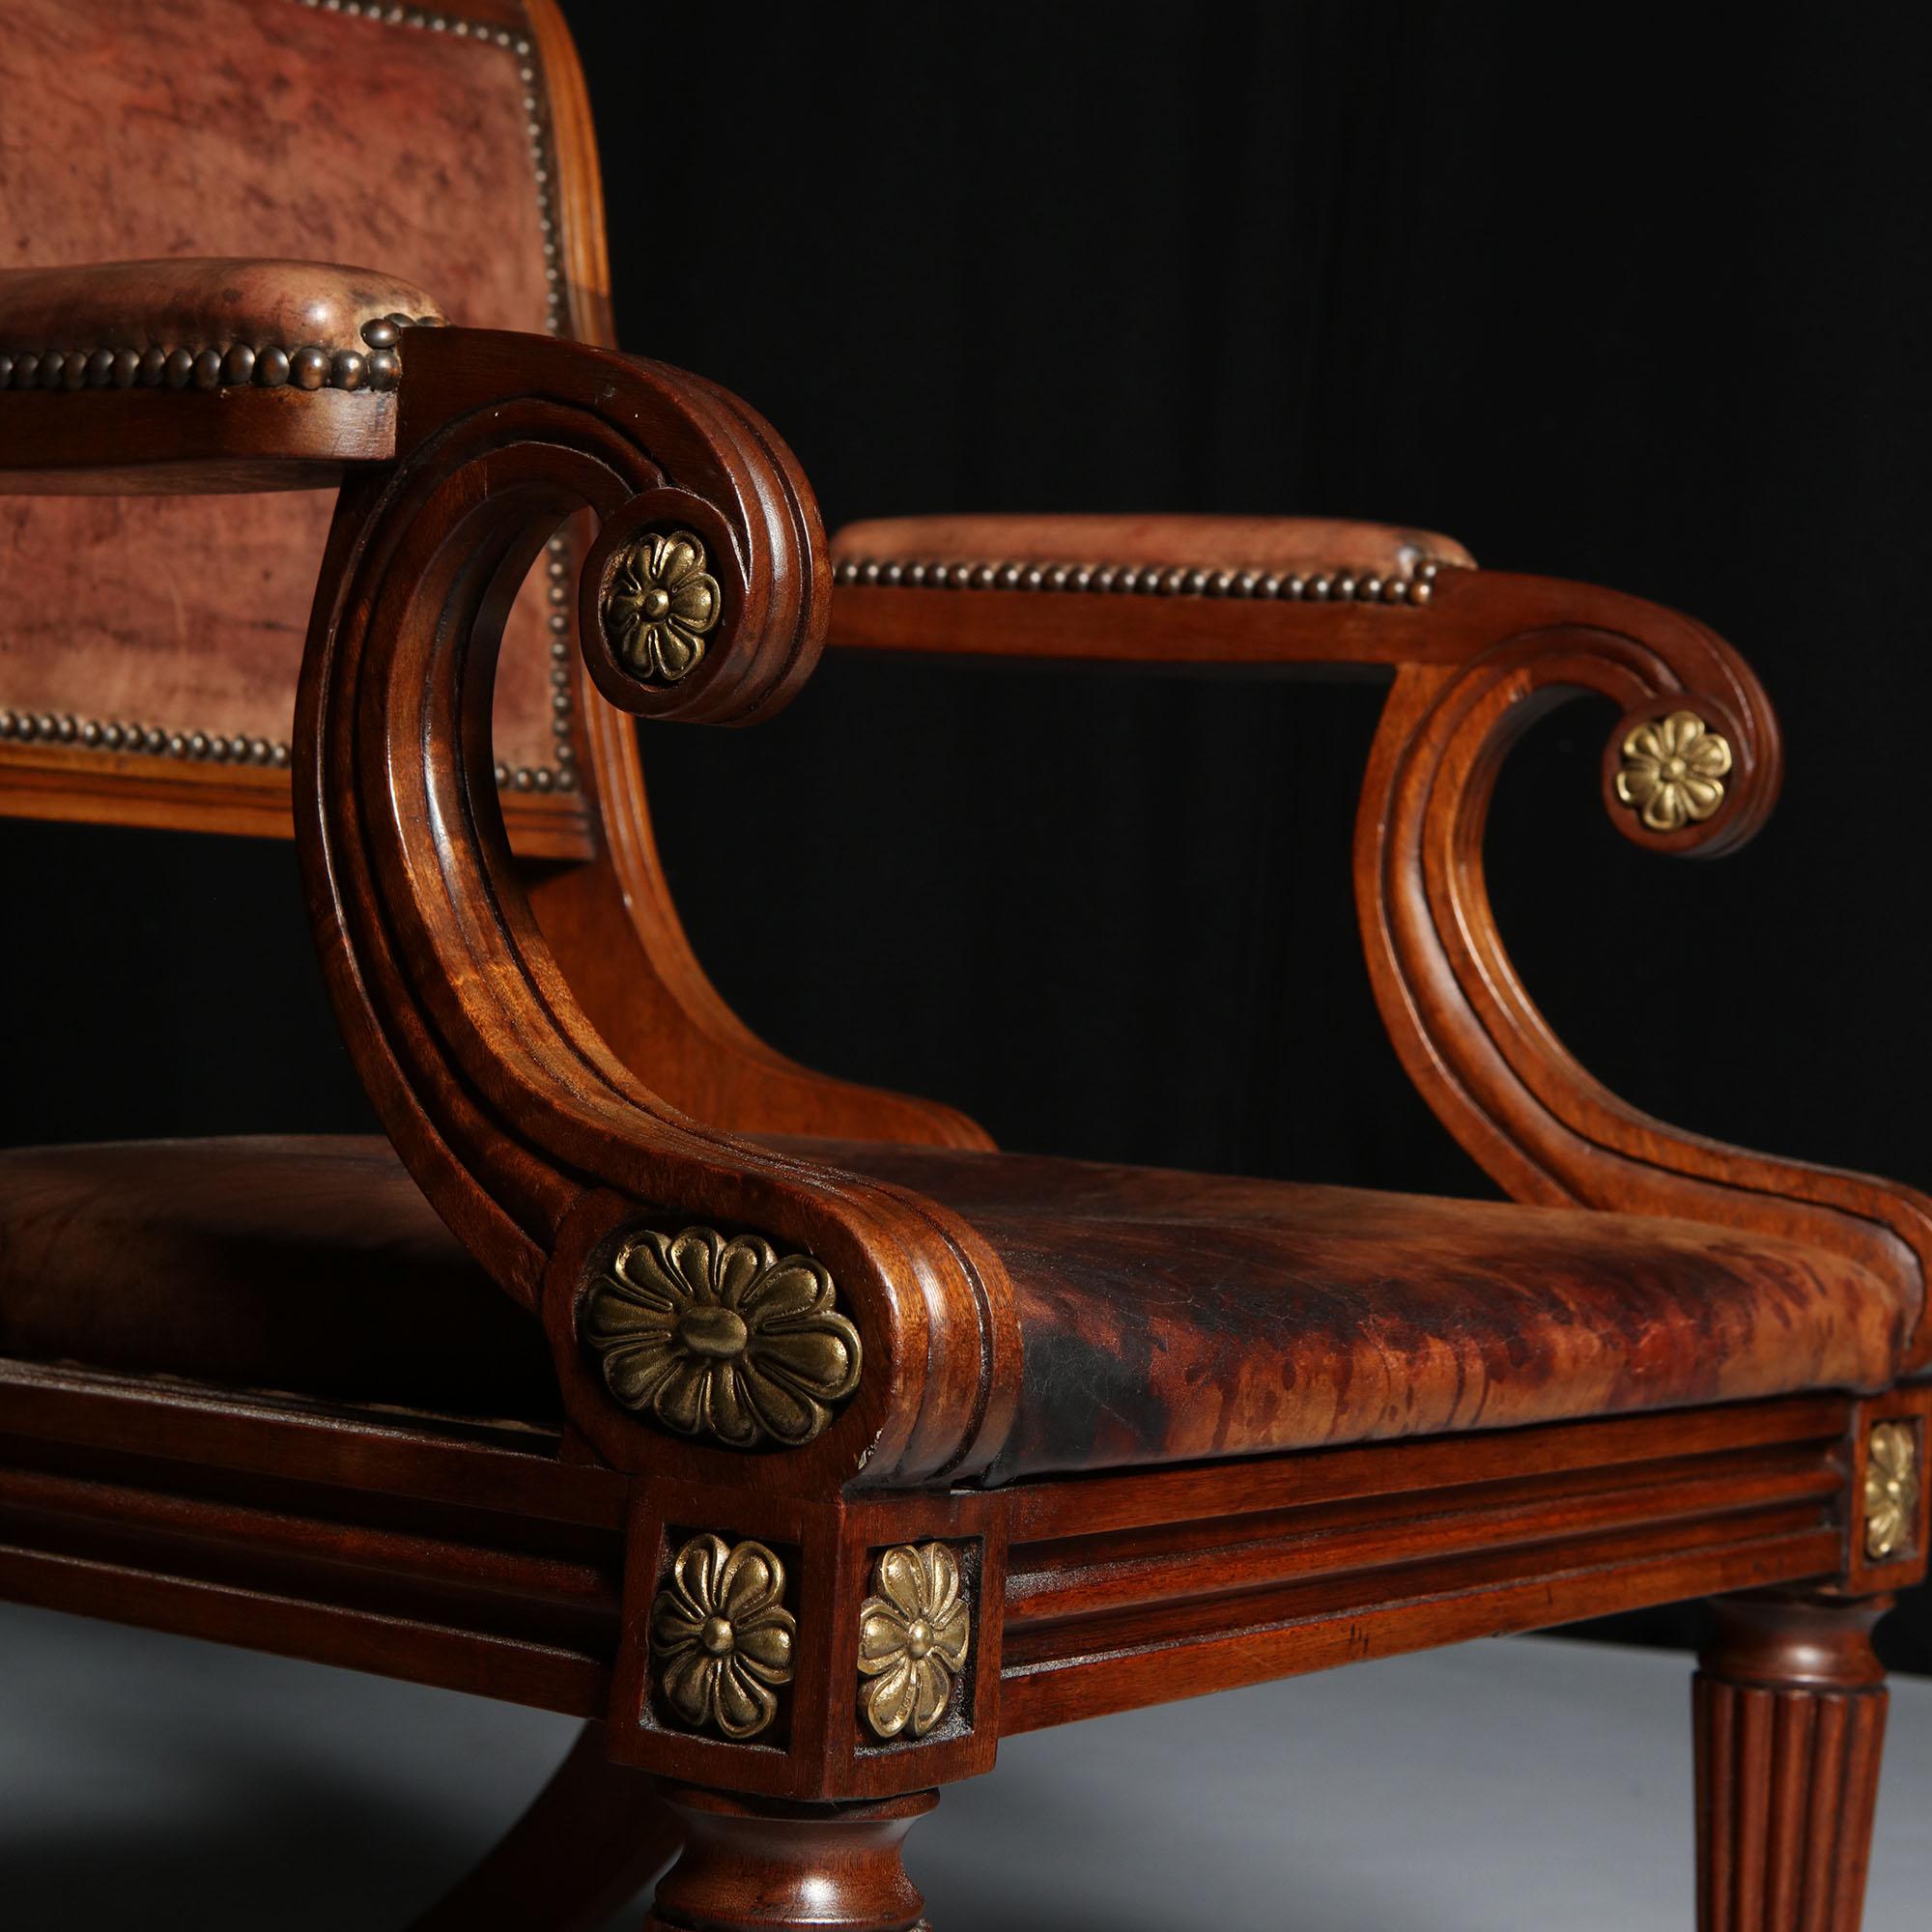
[(722, 1643), (918, 1628), (1888, 1500)]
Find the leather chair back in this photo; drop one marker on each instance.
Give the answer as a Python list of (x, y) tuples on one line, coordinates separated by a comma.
[(148, 645)]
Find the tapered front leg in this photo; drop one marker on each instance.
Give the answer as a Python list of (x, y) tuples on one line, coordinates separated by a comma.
[(759, 1865), (1790, 1706)]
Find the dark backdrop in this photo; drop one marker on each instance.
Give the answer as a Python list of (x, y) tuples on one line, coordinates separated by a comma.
[(1601, 302)]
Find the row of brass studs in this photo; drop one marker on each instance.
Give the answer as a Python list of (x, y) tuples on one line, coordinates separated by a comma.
[(1335, 586), (721, 1642), (236, 748), (420, 16), (562, 777), (97, 735), (424, 20), (240, 364)]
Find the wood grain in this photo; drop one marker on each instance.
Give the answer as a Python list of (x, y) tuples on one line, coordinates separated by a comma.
[(751, 1866), (1474, 1043), (553, 1068), (532, 1140), (1790, 1708), (1137, 1589)]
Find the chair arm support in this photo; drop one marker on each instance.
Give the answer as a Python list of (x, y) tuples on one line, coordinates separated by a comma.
[(1468, 1031), (1476, 656), (539, 1148)]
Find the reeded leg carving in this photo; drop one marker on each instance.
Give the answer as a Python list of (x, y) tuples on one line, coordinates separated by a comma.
[(759, 1865), (1790, 1709)]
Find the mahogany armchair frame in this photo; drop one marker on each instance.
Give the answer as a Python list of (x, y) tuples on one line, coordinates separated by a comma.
[(482, 1558)]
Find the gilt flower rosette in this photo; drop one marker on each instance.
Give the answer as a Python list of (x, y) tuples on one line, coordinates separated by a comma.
[(721, 1637), (721, 1338), (1892, 1489), (660, 605), (1673, 772), (912, 1639)]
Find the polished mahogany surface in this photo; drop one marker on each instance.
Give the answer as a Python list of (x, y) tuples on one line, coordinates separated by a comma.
[(1090, 1436)]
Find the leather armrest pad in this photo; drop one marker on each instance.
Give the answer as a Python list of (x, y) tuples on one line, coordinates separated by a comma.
[(1264, 544), (197, 304)]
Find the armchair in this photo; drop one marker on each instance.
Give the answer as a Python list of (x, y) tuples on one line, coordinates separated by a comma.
[(784, 1431)]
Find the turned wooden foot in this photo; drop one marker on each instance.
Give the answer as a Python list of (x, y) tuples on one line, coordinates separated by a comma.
[(757, 1866), (1790, 1715)]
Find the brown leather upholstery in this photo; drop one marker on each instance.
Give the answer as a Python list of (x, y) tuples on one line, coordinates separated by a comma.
[(310, 1265), (1168, 1316), (1165, 1317), (197, 303), (1267, 544), (251, 129)]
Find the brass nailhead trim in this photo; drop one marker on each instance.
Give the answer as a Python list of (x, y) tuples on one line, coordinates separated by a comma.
[(563, 775), (232, 365), (95, 734), (1336, 585), (541, 162)]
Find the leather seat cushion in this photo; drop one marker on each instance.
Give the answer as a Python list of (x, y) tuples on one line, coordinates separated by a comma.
[(309, 1265), (1172, 1317), (1165, 1317)]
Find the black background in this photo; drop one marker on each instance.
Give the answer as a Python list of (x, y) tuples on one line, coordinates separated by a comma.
[(1600, 296)]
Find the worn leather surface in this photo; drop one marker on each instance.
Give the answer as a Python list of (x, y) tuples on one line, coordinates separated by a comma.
[(1168, 1316), (1199, 543), (243, 128), (1165, 1317), (306, 1266), (199, 302)]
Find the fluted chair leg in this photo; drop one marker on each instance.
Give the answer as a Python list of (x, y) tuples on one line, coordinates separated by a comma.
[(1790, 1705)]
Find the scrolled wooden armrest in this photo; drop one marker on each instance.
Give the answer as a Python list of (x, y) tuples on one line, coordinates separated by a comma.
[(702, 598), (199, 375), (1692, 768)]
